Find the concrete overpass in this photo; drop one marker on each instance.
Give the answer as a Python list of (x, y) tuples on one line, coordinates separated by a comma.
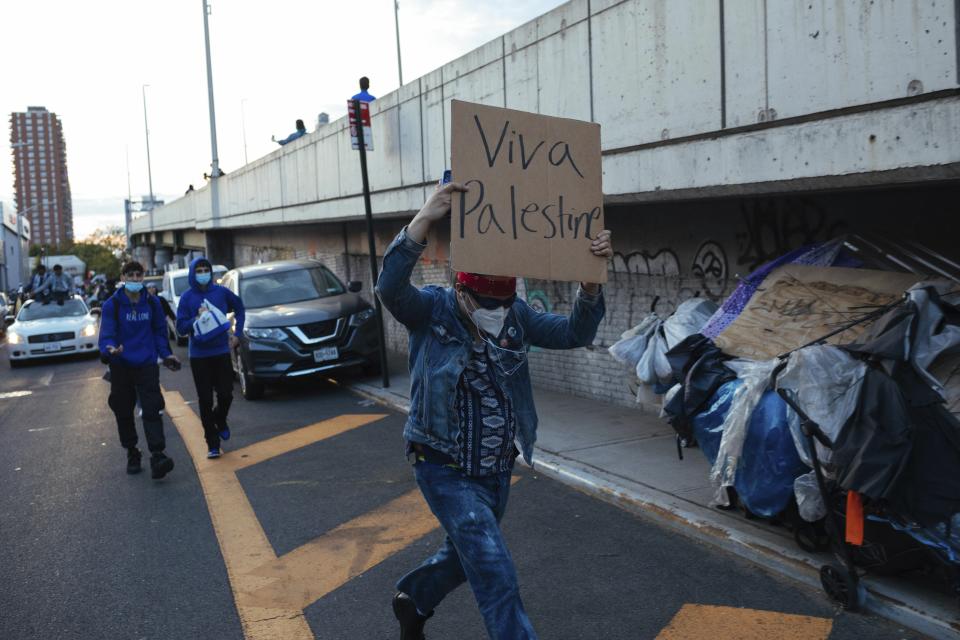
[(696, 98), (732, 132)]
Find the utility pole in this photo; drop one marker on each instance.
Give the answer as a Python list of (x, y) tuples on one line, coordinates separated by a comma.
[(146, 130), (243, 123), (396, 22), (215, 160)]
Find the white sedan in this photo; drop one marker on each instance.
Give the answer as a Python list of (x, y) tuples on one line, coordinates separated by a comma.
[(46, 330)]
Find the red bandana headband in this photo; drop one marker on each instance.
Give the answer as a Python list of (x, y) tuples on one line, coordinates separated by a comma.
[(488, 285)]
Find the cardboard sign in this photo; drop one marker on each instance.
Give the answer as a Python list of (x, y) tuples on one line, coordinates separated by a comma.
[(798, 303), (535, 201)]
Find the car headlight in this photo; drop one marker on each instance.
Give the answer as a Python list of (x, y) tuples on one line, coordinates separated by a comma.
[(360, 317), (265, 334), (14, 338), (89, 331)]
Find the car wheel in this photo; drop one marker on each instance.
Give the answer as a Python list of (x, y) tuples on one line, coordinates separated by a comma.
[(14, 364), (250, 389)]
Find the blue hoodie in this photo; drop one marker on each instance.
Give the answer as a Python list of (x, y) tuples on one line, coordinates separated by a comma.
[(212, 344), (142, 329)]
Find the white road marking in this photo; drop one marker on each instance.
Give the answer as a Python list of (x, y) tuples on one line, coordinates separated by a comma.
[(14, 394), (45, 380), (39, 429)]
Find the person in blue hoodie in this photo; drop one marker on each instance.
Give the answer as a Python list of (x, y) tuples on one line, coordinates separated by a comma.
[(133, 336), (201, 314)]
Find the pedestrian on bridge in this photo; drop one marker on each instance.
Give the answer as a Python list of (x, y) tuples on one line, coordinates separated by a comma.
[(133, 336), (470, 400), (202, 314)]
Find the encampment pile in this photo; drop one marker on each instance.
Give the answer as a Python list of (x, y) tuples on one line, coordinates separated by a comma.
[(870, 356)]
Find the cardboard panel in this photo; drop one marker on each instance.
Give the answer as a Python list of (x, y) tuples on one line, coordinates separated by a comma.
[(535, 199), (797, 304)]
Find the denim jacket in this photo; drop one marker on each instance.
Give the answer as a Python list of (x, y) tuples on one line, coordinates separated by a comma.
[(440, 348)]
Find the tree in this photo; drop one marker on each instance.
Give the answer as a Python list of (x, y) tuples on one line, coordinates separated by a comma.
[(110, 237), (99, 258)]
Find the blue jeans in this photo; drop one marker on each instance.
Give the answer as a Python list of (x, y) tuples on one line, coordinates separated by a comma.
[(469, 510)]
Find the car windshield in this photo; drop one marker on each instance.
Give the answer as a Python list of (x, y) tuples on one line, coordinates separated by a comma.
[(35, 311), (181, 284), (285, 287)]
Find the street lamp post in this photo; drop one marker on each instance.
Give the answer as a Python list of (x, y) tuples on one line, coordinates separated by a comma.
[(213, 243), (396, 23), (146, 131), (243, 124), (215, 160)]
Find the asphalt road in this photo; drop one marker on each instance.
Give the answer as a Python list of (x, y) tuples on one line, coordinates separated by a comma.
[(88, 552)]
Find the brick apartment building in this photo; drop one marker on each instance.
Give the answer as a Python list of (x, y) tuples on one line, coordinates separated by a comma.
[(40, 174)]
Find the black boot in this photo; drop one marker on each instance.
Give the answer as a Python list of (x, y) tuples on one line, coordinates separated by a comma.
[(133, 461), (160, 465), (411, 622)]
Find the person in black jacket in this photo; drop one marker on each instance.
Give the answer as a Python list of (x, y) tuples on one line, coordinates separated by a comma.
[(167, 309)]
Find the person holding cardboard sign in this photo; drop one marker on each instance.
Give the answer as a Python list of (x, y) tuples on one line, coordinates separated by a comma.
[(470, 400)]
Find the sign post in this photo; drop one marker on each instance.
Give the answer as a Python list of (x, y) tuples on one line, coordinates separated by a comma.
[(360, 130)]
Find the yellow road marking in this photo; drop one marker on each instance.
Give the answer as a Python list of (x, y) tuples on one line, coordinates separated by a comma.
[(695, 622), (310, 572), (293, 440), (271, 592)]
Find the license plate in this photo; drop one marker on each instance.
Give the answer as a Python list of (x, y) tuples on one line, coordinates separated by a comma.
[(325, 353), (51, 347)]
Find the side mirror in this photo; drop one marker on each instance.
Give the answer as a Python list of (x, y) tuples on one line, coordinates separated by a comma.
[(96, 311), (8, 320), (354, 286)]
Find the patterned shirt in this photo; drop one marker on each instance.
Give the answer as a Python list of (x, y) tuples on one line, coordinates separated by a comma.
[(487, 424)]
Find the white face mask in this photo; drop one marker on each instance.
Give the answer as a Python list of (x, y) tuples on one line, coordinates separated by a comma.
[(490, 321)]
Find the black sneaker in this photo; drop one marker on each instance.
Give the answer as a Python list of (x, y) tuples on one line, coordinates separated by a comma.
[(411, 621), (133, 461), (160, 465)]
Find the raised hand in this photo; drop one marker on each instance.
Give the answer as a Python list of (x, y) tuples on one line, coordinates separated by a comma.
[(602, 245), (435, 208)]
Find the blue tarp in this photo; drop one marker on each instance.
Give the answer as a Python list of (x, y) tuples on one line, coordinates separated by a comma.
[(769, 463)]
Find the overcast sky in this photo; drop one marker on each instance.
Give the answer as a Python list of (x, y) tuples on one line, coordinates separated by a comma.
[(273, 62)]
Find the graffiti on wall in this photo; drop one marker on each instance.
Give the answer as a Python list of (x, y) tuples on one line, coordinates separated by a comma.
[(771, 228), (642, 282), (710, 266), (660, 263)]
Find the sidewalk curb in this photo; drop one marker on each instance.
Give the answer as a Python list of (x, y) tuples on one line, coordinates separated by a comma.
[(702, 525)]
